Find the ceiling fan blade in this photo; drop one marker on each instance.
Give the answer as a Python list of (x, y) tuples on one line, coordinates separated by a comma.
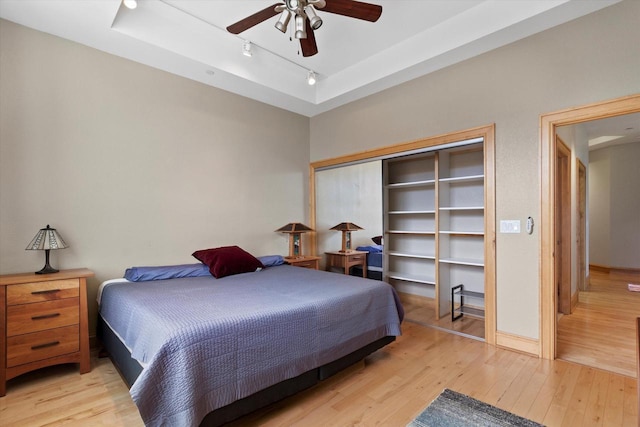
[(354, 9), (308, 45), (255, 19)]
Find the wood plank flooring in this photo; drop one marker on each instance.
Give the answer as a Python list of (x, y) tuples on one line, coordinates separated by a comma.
[(601, 330), (422, 310), (390, 388)]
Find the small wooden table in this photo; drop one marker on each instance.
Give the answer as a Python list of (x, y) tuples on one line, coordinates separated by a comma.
[(346, 260), (306, 261)]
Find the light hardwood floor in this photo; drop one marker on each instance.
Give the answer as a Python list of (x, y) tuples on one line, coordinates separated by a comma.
[(392, 387), (422, 310), (601, 330)]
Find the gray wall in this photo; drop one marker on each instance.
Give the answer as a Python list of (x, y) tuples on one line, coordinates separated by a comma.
[(614, 206), (135, 166), (591, 59)]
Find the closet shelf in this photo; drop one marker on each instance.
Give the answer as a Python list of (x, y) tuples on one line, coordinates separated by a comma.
[(463, 178), (419, 212), (421, 233), (412, 278), (462, 233), (412, 255), (461, 208), (463, 261), (412, 184)]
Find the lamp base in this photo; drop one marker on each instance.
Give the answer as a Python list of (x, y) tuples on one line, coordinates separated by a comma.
[(47, 269)]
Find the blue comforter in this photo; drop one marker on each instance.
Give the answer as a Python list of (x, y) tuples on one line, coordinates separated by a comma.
[(206, 342)]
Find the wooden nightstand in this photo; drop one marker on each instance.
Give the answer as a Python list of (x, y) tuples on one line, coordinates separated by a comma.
[(303, 261), (346, 260), (43, 322)]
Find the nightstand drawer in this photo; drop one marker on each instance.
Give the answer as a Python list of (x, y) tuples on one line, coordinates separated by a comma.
[(27, 318), (307, 264), (27, 348), (356, 258), (42, 291)]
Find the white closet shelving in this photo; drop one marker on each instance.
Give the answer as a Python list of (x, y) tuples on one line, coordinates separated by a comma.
[(461, 226), (410, 223), (434, 225)]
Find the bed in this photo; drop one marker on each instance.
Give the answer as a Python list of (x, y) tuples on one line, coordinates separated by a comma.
[(200, 350), (374, 262)]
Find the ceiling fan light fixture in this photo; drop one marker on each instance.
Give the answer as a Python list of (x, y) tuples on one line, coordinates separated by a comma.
[(314, 20), (311, 78), (246, 48), (283, 21), (301, 32), (130, 4)]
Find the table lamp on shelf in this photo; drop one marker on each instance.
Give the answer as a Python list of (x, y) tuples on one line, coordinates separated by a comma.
[(295, 230), (346, 228), (47, 239)]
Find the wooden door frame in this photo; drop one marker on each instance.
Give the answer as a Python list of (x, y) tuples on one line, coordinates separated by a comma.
[(582, 284), (488, 134), (563, 225), (548, 123)]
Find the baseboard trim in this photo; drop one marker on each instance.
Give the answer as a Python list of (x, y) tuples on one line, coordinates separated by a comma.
[(574, 300), (518, 343), (615, 270)]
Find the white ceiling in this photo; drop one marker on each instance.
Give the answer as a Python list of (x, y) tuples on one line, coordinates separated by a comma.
[(356, 58), (615, 130)]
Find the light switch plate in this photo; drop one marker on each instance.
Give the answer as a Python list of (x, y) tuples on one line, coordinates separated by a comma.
[(510, 226)]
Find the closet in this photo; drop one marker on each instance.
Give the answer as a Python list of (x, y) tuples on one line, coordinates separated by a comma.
[(434, 220)]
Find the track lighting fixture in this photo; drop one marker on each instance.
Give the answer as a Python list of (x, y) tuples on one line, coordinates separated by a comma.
[(130, 4), (311, 78), (246, 48)]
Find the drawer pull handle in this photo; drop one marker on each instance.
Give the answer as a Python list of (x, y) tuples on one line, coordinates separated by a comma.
[(45, 345), (45, 316), (46, 291)]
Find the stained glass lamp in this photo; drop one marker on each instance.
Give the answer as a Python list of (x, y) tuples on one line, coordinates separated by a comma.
[(346, 228), (295, 230), (47, 239)]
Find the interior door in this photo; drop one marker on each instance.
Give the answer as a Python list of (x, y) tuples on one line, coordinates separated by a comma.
[(582, 282), (563, 227)]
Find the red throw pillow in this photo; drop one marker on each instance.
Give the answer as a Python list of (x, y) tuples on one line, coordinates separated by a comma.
[(227, 260)]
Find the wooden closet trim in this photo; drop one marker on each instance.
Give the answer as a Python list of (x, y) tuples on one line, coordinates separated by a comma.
[(488, 135)]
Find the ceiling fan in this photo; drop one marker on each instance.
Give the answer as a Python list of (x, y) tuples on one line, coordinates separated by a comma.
[(306, 19)]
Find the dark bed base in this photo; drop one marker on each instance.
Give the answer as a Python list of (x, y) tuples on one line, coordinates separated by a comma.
[(130, 369), (356, 270)]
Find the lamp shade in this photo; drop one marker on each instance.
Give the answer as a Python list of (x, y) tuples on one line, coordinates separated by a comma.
[(46, 239), (346, 228), (294, 229)]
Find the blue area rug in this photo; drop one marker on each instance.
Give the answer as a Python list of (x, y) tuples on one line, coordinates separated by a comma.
[(452, 409)]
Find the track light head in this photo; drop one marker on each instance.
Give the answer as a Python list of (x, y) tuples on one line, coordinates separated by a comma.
[(311, 78), (130, 4), (246, 48)]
